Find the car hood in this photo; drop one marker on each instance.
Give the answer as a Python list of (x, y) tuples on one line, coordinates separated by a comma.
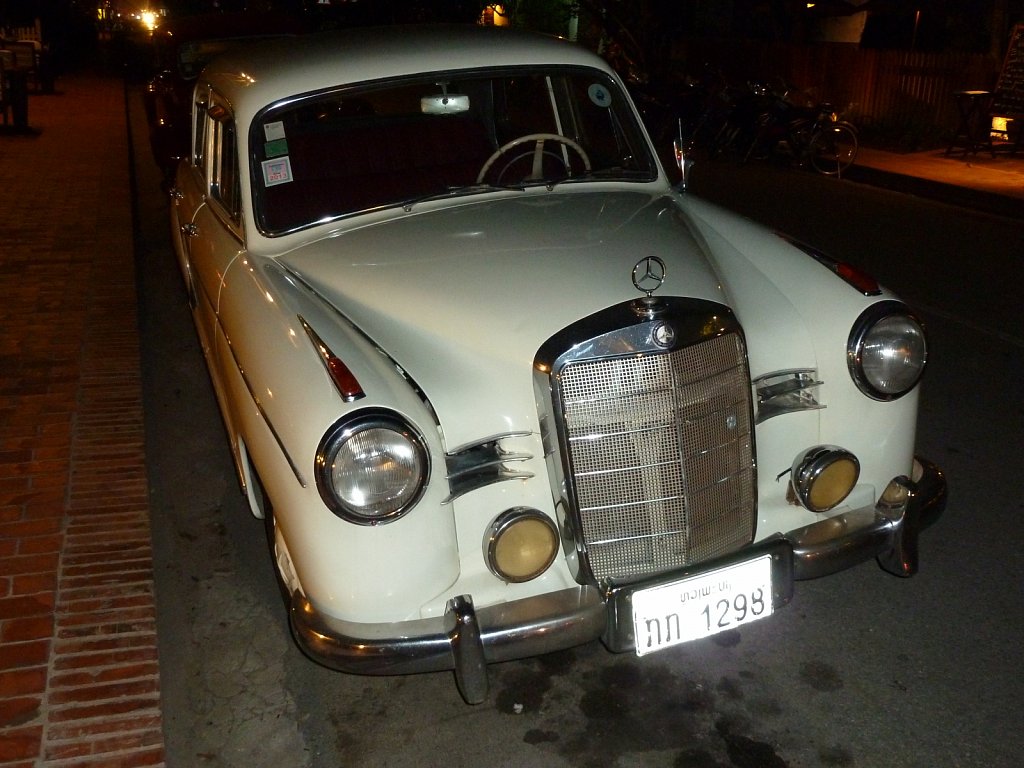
[(462, 298)]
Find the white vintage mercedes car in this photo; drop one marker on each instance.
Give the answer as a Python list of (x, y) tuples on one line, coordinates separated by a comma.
[(497, 387)]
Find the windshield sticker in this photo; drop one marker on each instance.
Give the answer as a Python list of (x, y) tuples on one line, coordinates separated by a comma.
[(276, 148), (600, 95), (273, 131), (277, 171)]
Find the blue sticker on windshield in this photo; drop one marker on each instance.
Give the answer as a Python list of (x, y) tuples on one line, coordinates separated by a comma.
[(600, 95)]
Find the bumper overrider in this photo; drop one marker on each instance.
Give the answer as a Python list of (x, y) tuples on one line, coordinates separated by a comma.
[(466, 639)]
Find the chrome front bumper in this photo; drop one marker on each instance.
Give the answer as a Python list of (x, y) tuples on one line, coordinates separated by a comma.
[(466, 639)]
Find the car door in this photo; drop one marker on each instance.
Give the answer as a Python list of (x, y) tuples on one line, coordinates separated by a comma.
[(188, 194), (210, 223)]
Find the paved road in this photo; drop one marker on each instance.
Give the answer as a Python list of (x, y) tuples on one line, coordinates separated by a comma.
[(862, 669)]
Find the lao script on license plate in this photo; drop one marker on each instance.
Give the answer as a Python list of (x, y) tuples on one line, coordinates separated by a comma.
[(702, 605)]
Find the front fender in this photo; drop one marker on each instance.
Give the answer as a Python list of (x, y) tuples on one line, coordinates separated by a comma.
[(779, 294), (281, 401)]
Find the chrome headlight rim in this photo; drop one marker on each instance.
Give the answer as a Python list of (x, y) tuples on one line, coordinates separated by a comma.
[(340, 435), (860, 335)]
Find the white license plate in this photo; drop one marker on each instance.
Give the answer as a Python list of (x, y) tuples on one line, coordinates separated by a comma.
[(701, 606)]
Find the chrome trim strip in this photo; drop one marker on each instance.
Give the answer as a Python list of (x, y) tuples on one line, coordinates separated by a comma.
[(787, 391), (482, 464)]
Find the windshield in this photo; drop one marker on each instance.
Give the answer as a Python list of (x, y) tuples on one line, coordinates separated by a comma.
[(391, 144)]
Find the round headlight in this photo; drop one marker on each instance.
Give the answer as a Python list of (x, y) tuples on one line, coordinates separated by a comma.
[(371, 469), (887, 351), (521, 544)]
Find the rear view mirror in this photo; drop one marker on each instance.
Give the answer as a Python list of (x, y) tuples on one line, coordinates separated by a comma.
[(443, 104)]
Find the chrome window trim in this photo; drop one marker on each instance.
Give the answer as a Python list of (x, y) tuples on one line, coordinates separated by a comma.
[(217, 115)]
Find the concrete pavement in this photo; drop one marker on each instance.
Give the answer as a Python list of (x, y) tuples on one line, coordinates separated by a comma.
[(79, 677), (993, 183)]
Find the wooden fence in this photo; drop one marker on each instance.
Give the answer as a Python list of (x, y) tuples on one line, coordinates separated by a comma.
[(906, 94)]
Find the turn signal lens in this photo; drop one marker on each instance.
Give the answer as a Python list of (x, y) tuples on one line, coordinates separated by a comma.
[(896, 494), (521, 544), (823, 476), (344, 380)]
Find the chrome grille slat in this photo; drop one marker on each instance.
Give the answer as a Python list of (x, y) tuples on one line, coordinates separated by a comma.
[(660, 456)]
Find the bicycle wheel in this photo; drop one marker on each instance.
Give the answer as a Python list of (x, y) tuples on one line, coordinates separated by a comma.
[(833, 149)]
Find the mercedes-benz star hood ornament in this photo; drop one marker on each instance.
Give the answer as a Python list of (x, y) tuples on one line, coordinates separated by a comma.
[(648, 276)]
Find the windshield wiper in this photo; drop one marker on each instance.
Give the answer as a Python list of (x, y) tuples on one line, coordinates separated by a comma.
[(605, 174), (468, 189)]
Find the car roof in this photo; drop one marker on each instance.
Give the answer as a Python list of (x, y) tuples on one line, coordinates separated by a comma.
[(257, 76)]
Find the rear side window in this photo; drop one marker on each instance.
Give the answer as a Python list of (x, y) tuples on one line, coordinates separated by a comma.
[(224, 182)]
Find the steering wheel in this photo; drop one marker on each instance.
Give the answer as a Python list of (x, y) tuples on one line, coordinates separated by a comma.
[(538, 154)]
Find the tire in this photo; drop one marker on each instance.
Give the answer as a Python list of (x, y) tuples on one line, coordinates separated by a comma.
[(833, 149)]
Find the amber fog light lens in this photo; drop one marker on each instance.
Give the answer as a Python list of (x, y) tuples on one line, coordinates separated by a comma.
[(823, 476), (522, 543)]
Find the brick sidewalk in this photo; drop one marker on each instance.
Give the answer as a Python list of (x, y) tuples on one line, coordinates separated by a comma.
[(79, 682)]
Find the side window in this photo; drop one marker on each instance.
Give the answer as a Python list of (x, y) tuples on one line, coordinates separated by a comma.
[(224, 182)]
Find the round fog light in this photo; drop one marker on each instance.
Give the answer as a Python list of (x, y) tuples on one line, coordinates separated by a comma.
[(521, 544), (823, 476)]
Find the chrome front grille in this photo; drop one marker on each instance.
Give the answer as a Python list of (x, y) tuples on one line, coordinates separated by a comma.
[(660, 466)]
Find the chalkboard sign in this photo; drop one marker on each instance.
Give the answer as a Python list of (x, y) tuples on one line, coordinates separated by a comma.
[(1009, 95)]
